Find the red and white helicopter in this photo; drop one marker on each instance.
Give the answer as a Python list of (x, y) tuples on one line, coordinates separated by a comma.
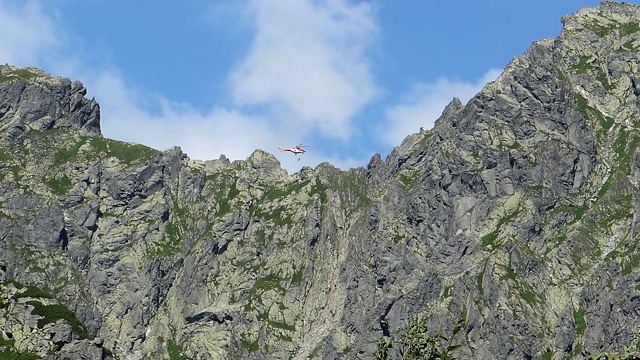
[(298, 149)]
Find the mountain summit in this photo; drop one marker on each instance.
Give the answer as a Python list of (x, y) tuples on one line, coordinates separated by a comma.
[(510, 228)]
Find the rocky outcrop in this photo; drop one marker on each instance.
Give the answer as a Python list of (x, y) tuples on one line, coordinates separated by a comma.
[(34, 324), (514, 216), (31, 99)]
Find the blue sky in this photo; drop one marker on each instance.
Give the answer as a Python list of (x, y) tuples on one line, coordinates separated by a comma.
[(348, 78)]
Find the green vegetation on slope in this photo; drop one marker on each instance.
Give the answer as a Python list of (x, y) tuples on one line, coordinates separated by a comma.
[(223, 187), (10, 354), (60, 185), (54, 312), (603, 29), (49, 313), (81, 148), (127, 153), (23, 73), (175, 351)]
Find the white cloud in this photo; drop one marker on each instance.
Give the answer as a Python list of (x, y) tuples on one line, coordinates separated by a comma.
[(423, 105), (307, 63), (33, 37), (28, 33), (306, 70), (201, 135)]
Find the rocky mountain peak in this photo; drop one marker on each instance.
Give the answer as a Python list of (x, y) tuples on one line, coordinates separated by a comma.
[(267, 164), (609, 14), (32, 99)]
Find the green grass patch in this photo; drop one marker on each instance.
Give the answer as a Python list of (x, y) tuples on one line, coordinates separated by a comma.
[(261, 238), (266, 283), (320, 189), (578, 318), (101, 148), (630, 264), (10, 354), (529, 296), (408, 180), (61, 185), (68, 154), (629, 28), (583, 66), (426, 138), (170, 244), (605, 121), (447, 291), (281, 325), (489, 240), (297, 277), (627, 46), (127, 153), (5, 155), (509, 273), (4, 342), (15, 283), (175, 231), (251, 346), (224, 204), (577, 350), (264, 316), (283, 337), (276, 216), (24, 74), (33, 292), (620, 145), (352, 189), (18, 173), (276, 193), (223, 190), (480, 280), (317, 351), (577, 212), (625, 146), (175, 351), (620, 29), (613, 205), (55, 312), (603, 79), (582, 105), (560, 74), (269, 282)]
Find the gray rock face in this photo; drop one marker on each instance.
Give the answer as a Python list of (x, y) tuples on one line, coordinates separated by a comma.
[(30, 98), (34, 324), (516, 214)]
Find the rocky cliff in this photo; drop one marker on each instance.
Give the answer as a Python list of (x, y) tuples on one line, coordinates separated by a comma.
[(515, 216)]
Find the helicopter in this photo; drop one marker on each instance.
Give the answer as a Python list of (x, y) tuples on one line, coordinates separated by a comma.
[(298, 149)]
